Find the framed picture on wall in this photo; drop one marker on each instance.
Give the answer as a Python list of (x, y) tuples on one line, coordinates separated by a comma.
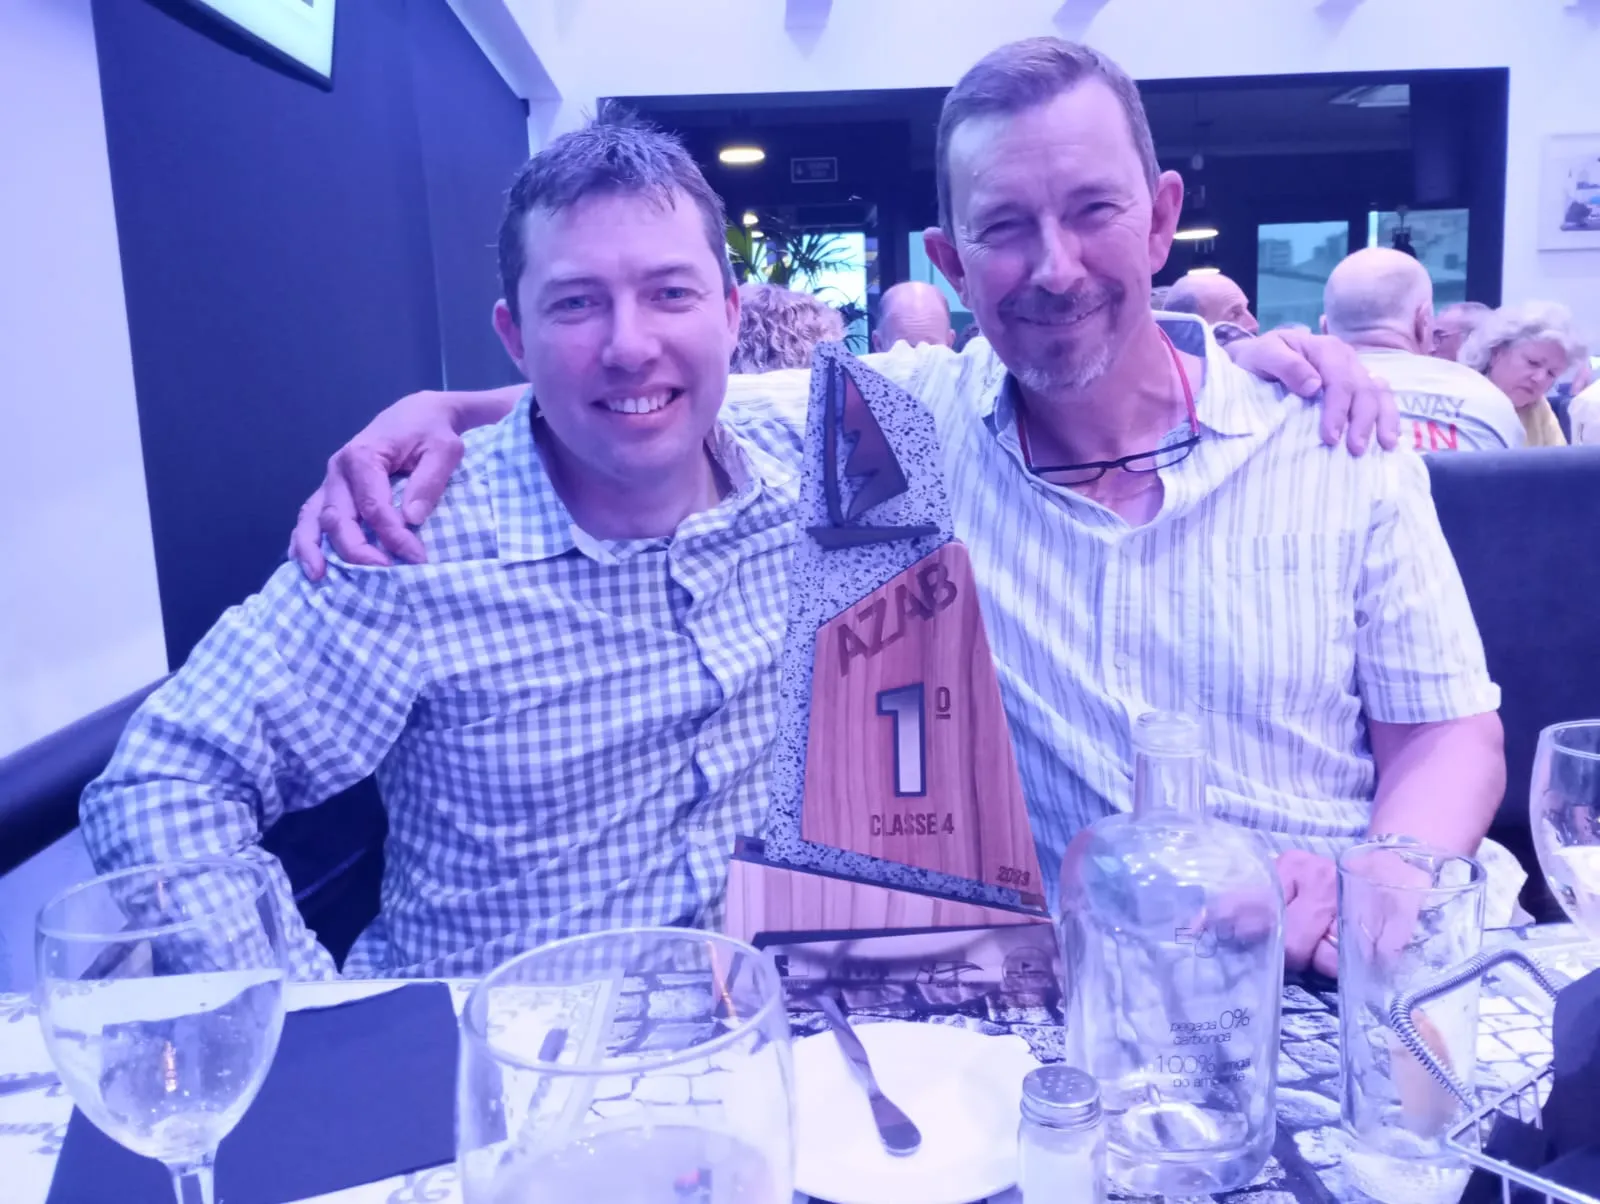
[(297, 31), (1569, 193)]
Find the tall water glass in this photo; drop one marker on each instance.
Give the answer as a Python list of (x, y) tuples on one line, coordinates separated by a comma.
[(647, 1066), (161, 998), (1407, 915), (1564, 801)]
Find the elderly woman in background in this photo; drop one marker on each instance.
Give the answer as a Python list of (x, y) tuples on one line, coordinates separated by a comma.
[(1524, 350), (779, 328)]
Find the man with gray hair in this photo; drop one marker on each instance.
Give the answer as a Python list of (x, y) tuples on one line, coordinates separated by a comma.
[(1380, 301), (913, 312), (1453, 324)]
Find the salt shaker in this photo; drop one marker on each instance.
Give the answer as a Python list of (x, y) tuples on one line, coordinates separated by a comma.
[(1061, 1146)]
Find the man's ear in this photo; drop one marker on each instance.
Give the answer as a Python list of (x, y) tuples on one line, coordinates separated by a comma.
[(510, 334), (943, 253), (1322, 323), (1422, 328), (1166, 207), (733, 302), (877, 341), (950, 338)]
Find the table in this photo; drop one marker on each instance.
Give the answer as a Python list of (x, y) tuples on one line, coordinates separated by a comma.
[(1306, 1163)]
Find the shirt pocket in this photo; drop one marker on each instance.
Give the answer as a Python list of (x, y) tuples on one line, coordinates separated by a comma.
[(1272, 625)]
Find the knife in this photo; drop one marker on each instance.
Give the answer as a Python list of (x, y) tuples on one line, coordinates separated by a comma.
[(899, 1136)]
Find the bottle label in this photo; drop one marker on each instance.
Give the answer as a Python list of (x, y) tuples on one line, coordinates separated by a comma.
[(1201, 1070), (1211, 1032)]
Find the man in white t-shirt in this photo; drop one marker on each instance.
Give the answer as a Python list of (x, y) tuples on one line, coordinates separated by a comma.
[(1381, 302)]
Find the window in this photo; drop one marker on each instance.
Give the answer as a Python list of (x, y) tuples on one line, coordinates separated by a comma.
[(1439, 237), (842, 282), (1293, 261)]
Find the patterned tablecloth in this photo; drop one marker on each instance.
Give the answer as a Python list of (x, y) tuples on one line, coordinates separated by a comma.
[(1307, 1158)]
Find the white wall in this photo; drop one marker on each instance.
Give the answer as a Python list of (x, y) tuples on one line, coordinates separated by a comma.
[(593, 48), (80, 618)]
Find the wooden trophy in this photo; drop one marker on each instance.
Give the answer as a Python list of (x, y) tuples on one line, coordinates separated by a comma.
[(895, 797)]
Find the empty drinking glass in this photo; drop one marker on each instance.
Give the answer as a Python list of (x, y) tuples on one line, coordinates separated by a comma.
[(647, 1066), (1564, 801), (1407, 915), (161, 998)]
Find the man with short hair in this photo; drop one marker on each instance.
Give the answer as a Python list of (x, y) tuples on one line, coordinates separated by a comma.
[(568, 707), (1380, 301), (1213, 297), (1452, 325), (1336, 666), (913, 312), (1111, 592)]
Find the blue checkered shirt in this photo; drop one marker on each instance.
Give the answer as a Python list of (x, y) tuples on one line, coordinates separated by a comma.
[(568, 733)]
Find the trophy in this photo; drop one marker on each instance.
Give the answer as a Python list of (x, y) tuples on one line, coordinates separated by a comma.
[(895, 798)]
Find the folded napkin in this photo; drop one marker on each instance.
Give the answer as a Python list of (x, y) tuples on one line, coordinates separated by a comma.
[(357, 1093)]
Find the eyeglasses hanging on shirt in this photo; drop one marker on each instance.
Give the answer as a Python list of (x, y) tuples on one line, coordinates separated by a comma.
[(1165, 456)]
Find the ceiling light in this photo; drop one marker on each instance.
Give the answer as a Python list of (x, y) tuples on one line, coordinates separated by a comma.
[(756, 234), (750, 218), (1203, 271), (1196, 233), (741, 156)]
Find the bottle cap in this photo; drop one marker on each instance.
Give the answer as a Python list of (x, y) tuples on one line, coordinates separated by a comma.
[(1060, 1097), (1167, 734)]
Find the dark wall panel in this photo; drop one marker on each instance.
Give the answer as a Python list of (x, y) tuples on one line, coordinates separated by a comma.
[(474, 137), (279, 251)]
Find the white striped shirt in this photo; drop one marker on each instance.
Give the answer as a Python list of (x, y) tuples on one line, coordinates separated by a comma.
[(1285, 593)]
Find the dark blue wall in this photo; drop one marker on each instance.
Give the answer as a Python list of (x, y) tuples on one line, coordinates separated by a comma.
[(293, 258)]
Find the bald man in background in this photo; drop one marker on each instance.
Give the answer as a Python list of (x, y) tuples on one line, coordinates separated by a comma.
[(1381, 302), (1215, 298), (913, 312)]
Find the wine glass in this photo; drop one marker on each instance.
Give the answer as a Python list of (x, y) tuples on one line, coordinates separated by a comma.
[(1564, 802), (643, 1066), (161, 998)]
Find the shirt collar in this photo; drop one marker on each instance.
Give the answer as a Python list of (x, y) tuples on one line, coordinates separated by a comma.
[(533, 523), (1226, 402)]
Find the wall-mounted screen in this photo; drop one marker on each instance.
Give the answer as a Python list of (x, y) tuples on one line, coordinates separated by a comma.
[(298, 30)]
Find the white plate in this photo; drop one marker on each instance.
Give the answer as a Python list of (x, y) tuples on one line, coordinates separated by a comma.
[(962, 1089)]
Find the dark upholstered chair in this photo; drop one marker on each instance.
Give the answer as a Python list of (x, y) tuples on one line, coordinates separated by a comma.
[(40, 783), (1525, 529), (333, 854)]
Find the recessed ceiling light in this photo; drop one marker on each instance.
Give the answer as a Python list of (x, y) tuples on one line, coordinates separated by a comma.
[(750, 218), (1204, 272), (756, 234), (741, 156), (1196, 234)]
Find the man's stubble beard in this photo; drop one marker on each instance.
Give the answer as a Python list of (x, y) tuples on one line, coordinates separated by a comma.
[(1066, 374)]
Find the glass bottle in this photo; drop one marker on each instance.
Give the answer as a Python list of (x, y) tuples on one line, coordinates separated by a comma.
[(1172, 936), (1061, 1145)]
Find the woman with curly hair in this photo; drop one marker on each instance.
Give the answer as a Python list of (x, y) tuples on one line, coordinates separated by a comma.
[(1524, 350), (779, 328)]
